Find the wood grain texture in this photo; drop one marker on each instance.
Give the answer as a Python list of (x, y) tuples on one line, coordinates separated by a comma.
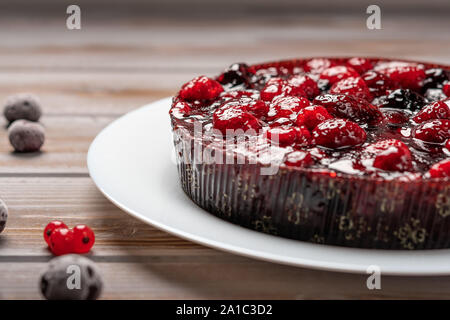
[(88, 78)]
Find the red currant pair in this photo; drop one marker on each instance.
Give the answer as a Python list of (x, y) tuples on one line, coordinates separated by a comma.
[(62, 240)]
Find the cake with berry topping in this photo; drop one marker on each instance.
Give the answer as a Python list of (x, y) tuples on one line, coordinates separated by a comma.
[(342, 151)]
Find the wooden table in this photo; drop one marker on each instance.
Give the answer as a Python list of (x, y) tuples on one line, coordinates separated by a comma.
[(88, 78)]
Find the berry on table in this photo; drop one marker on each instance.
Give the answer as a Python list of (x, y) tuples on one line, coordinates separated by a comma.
[(22, 106), (51, 226), (3, 215), (83, 238), (54, 280), (26, 136), (61, 241), (200, 88), (338, 134)]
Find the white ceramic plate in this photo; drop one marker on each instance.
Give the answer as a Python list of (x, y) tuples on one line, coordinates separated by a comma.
[(132, 164)]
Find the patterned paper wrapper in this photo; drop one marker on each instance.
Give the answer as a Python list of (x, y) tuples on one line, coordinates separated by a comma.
[(319, 207)]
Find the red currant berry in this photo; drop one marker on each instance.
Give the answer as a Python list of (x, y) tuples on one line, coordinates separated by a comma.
[(83, 238), (61, 241), (55, 224)]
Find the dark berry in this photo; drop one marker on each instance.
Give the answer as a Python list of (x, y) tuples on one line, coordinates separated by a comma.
[(3, 215), (200, 88), (435, 110), (83, 239), (26, 136), (58, 282), (22, 106), (338, 134), (404, 99), (311, 116), (236, 74), (433, 131), (435, 78), (55, 224), (348, 107), (435, 95)]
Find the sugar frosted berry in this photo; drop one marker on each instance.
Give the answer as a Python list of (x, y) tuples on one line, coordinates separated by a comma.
[(83, 238), (440, 169), (433, 131), (286, 107), (389, 155), (51, 226), (435, 110), (360, 65), (299, 159), (308, 85), (335, 74), (348, 107), (228, 119), (200, 88), (3, 215), (26, 136), (338, 134), (311, 116), (55, 279), (22, 106), (61, 241)]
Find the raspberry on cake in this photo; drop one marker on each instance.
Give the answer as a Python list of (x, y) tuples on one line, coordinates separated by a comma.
[(360, 146)]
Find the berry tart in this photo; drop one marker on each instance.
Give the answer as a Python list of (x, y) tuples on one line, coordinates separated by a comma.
[(342, 151)]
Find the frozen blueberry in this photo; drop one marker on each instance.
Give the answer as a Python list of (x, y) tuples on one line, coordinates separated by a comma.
[(26, 136), (3, 215), (71, 277), (22, 106)]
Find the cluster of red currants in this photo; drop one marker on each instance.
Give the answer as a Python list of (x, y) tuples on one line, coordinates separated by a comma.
[(62, 240)]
